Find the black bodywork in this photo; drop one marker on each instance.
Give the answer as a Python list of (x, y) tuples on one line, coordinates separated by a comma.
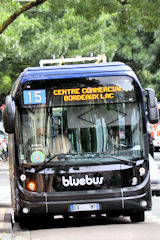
[(117, 186), (116, 194)]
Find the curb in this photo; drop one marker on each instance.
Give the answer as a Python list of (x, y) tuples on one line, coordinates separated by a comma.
[(4, 167), (5, 205), (5, 220)]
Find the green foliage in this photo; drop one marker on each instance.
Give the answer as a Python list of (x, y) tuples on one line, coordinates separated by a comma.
[(123, 30), (6, 84), (130, 13)]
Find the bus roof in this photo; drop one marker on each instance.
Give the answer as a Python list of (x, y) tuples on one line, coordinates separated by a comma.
[(73, 71)]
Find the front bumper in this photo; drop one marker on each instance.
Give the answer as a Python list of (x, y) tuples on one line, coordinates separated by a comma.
[(108, 202), (120, 200)]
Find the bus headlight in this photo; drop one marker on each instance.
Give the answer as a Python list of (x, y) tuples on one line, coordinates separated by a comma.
[(143, 203), (23, 177), (25, 210)]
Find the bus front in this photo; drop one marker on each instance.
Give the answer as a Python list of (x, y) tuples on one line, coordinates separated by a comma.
[(81, 148)]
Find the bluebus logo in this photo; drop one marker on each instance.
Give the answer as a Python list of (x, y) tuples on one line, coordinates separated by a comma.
[(86, 180)]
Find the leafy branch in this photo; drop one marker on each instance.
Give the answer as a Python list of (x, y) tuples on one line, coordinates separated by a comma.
[(123, 2), (18, 12)]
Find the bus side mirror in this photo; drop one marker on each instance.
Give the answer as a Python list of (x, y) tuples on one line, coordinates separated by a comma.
[(152, 106), (9, 115)]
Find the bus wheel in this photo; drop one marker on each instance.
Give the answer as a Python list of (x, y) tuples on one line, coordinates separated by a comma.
[(137, 217), (158, 193)]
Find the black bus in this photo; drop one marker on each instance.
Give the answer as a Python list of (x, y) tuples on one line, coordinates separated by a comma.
[(78, 141)]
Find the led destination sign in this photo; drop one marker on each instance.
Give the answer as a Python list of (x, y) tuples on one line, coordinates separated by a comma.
[(84, 94), (74, 95)]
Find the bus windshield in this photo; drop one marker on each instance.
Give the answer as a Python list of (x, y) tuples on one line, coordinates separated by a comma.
[(81, 130)]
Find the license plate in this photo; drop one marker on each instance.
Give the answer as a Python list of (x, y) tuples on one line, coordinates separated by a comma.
[(84, 207)]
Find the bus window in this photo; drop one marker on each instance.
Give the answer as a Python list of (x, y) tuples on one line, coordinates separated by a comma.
[(94, 128)]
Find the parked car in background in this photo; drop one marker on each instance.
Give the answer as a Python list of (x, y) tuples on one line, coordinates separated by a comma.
[(3, 135), (156, 136), (154, 176), (150, 130), (3, 145), (151, 146)]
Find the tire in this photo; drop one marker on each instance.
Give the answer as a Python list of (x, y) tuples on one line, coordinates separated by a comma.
[(158, 193), (151, 151), (137, 217)]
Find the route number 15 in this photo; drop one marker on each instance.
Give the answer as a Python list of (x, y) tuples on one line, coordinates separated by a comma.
[(34, 96)]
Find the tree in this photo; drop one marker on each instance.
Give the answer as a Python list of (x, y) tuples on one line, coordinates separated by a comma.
[(129, 13), (60, 28), (18, 12)]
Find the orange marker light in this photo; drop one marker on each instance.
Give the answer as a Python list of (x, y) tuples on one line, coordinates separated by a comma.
[(31, 186)]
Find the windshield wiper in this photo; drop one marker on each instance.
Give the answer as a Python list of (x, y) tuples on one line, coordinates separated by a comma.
[(65, 156), (84, 155), (130, 162), (43, 164)]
